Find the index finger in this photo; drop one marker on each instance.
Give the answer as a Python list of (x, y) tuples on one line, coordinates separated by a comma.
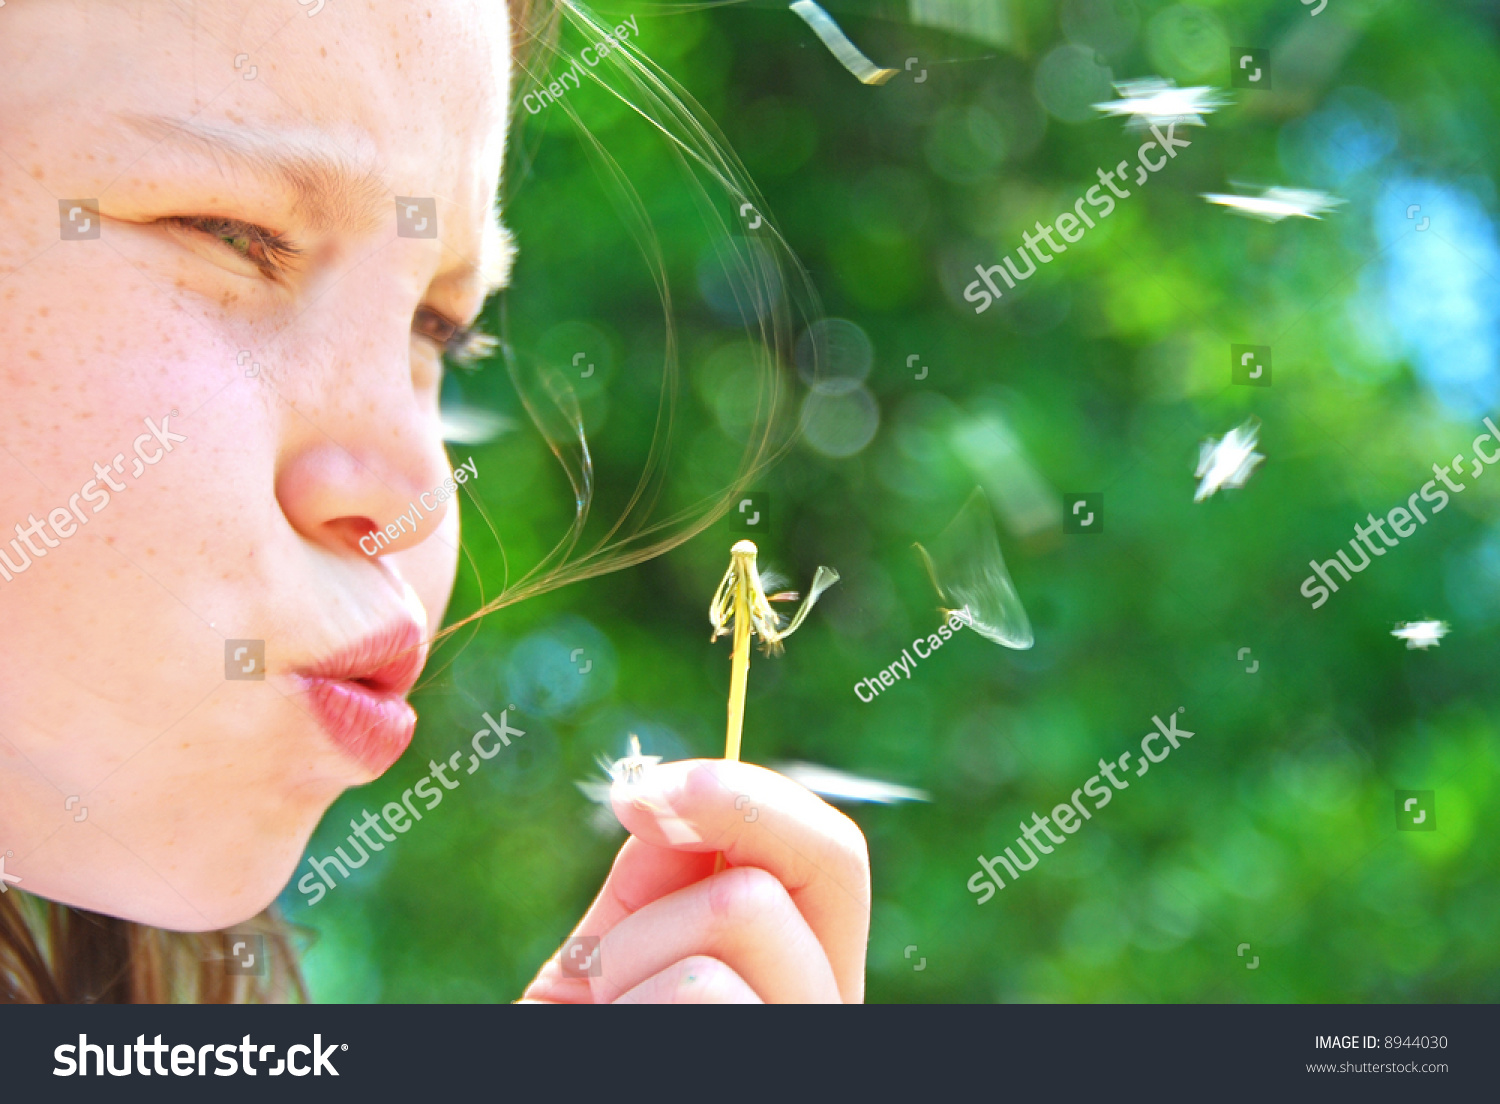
[(759, 818)]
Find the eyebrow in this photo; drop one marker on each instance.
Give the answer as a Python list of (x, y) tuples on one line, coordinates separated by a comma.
[(333, 189)]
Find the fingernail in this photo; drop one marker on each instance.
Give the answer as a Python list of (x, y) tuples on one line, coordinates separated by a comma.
[(646, 790)]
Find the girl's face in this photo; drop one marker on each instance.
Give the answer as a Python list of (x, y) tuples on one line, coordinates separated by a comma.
[(220, 335)]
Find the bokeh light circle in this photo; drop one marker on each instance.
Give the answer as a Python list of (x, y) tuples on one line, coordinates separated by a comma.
[(1070, 81), (839, 424), (834, 356)]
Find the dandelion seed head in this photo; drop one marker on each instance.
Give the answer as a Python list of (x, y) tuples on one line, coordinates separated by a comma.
[(771, 627)]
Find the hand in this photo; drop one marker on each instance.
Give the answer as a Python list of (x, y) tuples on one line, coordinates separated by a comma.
[(786, 923)]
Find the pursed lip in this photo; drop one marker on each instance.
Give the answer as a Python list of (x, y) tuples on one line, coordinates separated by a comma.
[(359, 693)]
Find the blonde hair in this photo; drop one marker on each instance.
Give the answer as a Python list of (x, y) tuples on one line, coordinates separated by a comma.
[(53, 954), (767, 276)]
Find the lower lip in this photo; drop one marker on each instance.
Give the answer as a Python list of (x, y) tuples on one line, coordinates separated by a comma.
[(374, 726)]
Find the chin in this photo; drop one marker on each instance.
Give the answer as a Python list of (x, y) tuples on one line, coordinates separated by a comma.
[(232, 884), (235, 891), (167, 918), (166, 910)]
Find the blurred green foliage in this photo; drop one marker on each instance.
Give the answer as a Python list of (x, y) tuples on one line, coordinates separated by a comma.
[(1275, 824)]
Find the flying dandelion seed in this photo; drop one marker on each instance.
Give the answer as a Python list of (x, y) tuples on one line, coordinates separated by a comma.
[(967, 569), (844, 788), (837, 786), (839, 45), (1275, 204), (468, 425), (627, 770), (630, 773), (1154, 101), (1227, 463), (1420, 634)]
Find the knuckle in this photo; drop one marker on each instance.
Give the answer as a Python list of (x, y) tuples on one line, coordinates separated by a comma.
[(709, 781), (704, 966), (744, 893)]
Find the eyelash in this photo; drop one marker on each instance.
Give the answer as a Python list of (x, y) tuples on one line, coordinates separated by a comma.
[(274, 250), (460, 344), (463, 345)]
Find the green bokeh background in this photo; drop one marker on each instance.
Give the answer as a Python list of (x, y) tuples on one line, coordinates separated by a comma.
[(1275, 825)]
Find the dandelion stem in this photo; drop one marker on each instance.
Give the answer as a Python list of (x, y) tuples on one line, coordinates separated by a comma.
[(741, 600), (739, 670), (739, 674)]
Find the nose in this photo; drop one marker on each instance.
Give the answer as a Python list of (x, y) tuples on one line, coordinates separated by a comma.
[(362, 446)]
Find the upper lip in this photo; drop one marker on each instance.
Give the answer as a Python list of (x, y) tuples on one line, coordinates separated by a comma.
[(387, 661)]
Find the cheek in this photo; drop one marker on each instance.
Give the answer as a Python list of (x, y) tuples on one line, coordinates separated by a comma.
[(119, 629), (89, 350), (149, 577)]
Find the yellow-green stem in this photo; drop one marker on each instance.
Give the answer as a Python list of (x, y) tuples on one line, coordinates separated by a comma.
[(739, 677), (739, 673)]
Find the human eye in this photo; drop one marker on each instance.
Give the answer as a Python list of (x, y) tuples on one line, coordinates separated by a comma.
[(459, 344), (268, 252)]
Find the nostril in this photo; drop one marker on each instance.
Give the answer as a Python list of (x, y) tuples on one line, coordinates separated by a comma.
[(360, 533), (363, 506)]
